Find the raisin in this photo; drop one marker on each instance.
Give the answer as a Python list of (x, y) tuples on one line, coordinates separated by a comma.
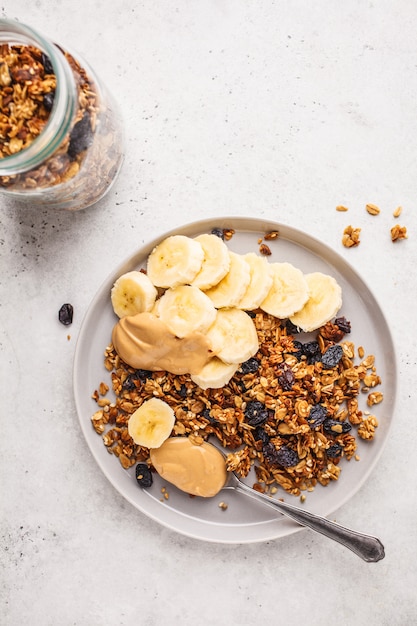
[(332, 356), (292, 329), (334, 427), (129, 383), (318, 414), (311, 351), (81, 136), (256, 413), (65, 314), (285, 456), (286, 377), (47, 65), (207, 415), (143, 475), (183, 391), (218, 232), (270, 452), (259, 434), (250, 366), (298, 349), (48, 100), (343, 324), (334, 451)]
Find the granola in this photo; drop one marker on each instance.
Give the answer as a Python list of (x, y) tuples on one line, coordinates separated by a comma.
[(351, 237), (286, 413), (372, 209), (398, 232)]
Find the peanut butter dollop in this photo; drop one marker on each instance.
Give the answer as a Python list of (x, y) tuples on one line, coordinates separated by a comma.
[(144, 341), (197, 469)]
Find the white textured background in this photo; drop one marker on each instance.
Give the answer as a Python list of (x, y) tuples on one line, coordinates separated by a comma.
[(274, 109)]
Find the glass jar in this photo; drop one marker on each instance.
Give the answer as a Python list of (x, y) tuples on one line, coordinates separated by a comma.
[(61, 137)]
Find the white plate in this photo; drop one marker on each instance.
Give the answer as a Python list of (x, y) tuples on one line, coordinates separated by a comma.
[(245, 520)]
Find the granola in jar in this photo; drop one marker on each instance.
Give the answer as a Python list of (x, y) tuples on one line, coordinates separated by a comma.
[(61, 141)]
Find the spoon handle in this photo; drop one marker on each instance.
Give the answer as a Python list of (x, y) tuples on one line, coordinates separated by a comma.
[(369, 548)]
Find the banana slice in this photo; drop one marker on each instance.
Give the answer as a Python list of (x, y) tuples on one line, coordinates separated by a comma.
[(324, 302), (186, 309), (132, 293), (175, 261), (233, 337), (259, 284), (288, 293), (231, 289), (214, 374), (216, 261), (151, 424)]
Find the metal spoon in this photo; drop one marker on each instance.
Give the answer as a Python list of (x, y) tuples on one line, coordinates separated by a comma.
[(369, 548)]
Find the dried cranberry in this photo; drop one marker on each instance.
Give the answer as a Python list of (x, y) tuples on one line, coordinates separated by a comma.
[(332, 356), (256, 413), (318, 414), (286, 377), (143, 475), (65, 314)]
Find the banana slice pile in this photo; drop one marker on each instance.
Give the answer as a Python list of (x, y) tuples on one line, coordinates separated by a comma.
[(207, 288)]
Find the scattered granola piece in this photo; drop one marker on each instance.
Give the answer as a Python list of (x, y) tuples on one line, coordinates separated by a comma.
[(341, 208), (223, 506), (274, 234), (228, 233), (351, 237), (373, 209), (366, 430), (398, 232), (374, 398), (265, 250), (397, 211), (103, 389)]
